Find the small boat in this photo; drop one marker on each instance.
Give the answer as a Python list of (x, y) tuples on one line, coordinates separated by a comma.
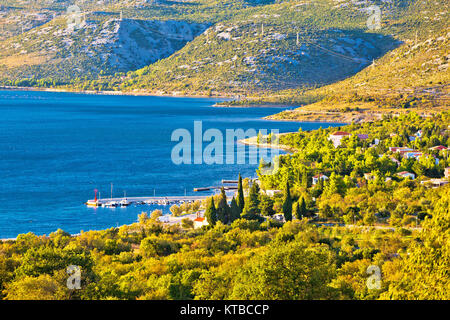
[(111, 204), (125, 203), (92, 203)]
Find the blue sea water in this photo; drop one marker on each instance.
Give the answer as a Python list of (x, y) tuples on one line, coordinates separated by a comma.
[(56, 148)]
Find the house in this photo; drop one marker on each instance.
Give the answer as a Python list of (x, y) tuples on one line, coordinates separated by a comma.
[(439, 148), (376, 141), (447, 173), (435, 183), (318, 177), (419, 134), (400, 149), (369, 176), (363, 136), (413, 154), (271, 193), (279, 217), (200, 222), (336, 137), (406, 174)]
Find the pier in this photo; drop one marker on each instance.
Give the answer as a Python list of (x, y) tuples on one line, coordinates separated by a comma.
[(215, 188), (125, 201)]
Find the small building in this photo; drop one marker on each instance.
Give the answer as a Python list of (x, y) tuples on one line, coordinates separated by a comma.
[(439, 148), (369, 177), (447, 172), (362, 136), (200, 222), (400, 149), (271, 193), (279, 217), (435, 183), (376, 141), (318, 177), (336, 137), (413, 154), (406, 175)]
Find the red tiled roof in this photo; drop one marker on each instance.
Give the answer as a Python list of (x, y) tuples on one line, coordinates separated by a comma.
[(341, 133), (439, 148), (199, 219)]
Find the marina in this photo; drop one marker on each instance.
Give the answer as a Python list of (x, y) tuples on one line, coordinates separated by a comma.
[(123, 202)]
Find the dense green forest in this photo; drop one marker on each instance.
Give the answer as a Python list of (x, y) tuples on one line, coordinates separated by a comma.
[(329, 236)]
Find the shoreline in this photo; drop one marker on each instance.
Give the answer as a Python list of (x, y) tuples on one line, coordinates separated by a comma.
[(112, 93), (252, 142)]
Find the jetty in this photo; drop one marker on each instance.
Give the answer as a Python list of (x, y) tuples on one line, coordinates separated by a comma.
[(215, 188), (125, 201)]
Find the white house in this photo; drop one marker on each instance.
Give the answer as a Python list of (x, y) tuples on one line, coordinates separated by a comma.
[(369, 176), (316, 179), (447, 172), (406, 174), (200, 222), (337, 137), (271, 193)]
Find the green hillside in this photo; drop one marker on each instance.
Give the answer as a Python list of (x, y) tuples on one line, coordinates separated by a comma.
[(283, 52)]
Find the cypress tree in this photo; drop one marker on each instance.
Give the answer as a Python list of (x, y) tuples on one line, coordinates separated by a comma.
[(251, 208), (287, 204), (223, 210), (210, 213), (235, 211), (240, 196), (301, 210)]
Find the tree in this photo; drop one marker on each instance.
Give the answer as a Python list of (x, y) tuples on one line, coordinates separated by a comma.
[(187, 223), (210, 213), (266, 204), (287, 271), (301, 210), (240, 196), (235, 211), (223, 210), (335, 185), (42, 287), (287, 204), (426, 264), (251, 208)]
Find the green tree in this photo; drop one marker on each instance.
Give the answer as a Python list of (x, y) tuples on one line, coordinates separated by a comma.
[(240, 195), (235, 211), (287, 271), (301, 210), (223, 210), (210, 213), (287, 203), (251, 208), (266, 204)]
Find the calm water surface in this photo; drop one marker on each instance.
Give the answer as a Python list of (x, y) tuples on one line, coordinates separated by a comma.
[(56, 148)]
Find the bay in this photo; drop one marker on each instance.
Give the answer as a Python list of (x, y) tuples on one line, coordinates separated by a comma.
[(56, 148)]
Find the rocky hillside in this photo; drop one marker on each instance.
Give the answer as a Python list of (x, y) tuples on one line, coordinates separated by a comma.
[(98, 47), (263, 51)]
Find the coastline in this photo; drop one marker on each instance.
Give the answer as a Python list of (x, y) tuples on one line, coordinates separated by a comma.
[(252, 141), (118, 93)]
